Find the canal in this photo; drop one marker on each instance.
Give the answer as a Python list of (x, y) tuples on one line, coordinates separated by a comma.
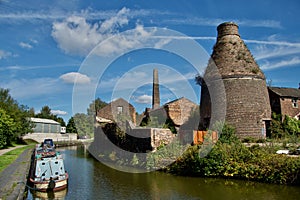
[(90, 179)]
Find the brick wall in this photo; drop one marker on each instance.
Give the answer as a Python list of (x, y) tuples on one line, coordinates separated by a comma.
[(180, 110), (111, 111), (287, 107)]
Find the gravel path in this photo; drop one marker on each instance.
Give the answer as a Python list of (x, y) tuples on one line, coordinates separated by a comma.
[(13, 177)]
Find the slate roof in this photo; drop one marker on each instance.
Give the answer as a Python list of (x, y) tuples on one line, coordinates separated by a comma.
[(286, 92)]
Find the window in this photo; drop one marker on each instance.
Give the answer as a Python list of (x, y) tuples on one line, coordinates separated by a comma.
[(119, 109), (295, 103)]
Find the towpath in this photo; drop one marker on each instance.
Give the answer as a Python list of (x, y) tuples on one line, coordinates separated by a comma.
[(14, 177), (3, 151)]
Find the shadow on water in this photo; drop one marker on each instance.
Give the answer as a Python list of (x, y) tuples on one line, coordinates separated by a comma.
[(90, 179)]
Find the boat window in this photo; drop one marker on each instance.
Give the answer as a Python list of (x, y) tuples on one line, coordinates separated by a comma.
[(56, 162), (43, 163), (56, 173)]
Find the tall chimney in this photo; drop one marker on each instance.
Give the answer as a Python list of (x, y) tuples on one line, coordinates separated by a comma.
[(155, 92)]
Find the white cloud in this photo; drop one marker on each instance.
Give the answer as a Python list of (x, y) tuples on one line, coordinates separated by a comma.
[(58, 112), (76, 36), (261, 52), (111, 24), (5, 54), (200, 21), (283, 63), (75, 77), (25, 45), (144, 99)]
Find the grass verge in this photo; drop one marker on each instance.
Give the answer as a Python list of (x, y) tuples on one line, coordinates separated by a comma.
[(9, 157)]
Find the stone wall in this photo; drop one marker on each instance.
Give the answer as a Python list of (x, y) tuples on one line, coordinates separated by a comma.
[(158, 136), (39, 137)]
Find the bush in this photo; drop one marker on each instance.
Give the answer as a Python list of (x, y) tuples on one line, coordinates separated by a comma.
[(230, 158)]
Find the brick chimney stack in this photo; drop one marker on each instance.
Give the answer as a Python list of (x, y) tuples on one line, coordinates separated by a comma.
[(155, 92)]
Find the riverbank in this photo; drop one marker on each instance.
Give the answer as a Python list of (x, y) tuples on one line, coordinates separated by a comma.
[(14, 177), (230, 158)]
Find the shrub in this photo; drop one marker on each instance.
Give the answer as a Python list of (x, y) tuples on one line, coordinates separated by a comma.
[(230, 158)]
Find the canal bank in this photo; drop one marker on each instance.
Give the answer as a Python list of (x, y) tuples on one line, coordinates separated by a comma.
[(91, 179), (14, 177)]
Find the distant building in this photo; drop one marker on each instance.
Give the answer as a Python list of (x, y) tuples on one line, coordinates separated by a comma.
[(45, 125), (178, 110), (119, 107), (285, 101)]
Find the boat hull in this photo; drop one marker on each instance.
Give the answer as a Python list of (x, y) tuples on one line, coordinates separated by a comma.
[(43, 186)]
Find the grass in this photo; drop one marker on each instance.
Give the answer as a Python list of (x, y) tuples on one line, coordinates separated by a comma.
[(9, 157)]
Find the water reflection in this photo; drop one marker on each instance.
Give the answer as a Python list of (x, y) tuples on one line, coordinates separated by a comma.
[(89, 179), (49, 195)]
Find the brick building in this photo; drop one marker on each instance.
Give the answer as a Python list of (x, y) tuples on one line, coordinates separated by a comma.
[(285, 101), (178, 110), (117, 108)]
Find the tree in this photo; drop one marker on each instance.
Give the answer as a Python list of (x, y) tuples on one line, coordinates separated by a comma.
[(96, 105), (47, 114), (18, 113), (291, 125), (7, 128), (71, 127), (84, 124)]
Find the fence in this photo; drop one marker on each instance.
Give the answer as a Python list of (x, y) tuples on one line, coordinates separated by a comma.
[(198, 136)]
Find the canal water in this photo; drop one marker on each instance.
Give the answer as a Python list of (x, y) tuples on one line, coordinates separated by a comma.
[(90, 179)]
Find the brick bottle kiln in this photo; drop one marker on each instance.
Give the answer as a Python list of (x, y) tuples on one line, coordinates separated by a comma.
[(245, 94)]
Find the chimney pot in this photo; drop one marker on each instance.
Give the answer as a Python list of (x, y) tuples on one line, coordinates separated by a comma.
[(228, 28)]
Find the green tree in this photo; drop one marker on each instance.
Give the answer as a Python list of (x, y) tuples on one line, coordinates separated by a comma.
[(96, 105), (276, 128), (18, 113), (7, 128), (60, 120), (84, 124), (47, 114), (291, 125), (71, 127)]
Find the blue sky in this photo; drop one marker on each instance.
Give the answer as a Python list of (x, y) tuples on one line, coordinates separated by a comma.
[(66, 53)]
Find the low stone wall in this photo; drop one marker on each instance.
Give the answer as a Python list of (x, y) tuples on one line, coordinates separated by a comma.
[(56, 137), (156, 136)]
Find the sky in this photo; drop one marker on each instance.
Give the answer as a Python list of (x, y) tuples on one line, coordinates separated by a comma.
[(65, 53)]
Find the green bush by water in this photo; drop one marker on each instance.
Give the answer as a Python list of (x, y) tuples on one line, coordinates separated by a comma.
[(229, 158)]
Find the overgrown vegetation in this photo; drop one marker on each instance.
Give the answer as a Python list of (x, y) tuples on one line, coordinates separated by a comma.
[(231, 159), (286, 130)]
